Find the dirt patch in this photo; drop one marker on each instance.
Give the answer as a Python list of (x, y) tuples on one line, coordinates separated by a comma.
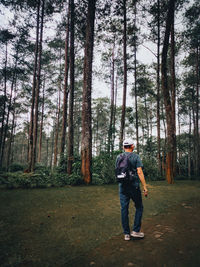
[(171, 239)]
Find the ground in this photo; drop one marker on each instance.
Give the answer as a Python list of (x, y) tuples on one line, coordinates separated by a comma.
[(80, 226), (171, 239)]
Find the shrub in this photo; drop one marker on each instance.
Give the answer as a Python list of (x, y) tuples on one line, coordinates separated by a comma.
[(103, 168), (32, 180), (41, 169), (75, 179), (15, 167), (151, 172), (59, 179), (96, 180)]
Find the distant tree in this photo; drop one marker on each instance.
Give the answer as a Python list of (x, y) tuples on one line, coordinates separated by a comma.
[(31, 131), (125, 74), (70, 150), (66, 90), (86, 140), (167, 97), (192, 32), (5, 38), (100, 108)]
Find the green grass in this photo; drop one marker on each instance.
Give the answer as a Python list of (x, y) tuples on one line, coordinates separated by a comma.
[(50, 227)]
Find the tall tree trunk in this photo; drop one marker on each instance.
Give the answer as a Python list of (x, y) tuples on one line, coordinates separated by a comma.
[(65, 95), (78, 126), (33, 91), (197, 143), (47, 155), (70, 144), (166, 94), (110, 132), (189, 144), (12, 130), (135, 83), (86, 140), (35, 125), (57, 128), (10, 141), (41, 125), (114, 115), (4, 106), (194, 133), (179, 137), (158, 90), (125, 77), (13, 142), (147, 117), (9, 108), (52, 146), (173, 96)]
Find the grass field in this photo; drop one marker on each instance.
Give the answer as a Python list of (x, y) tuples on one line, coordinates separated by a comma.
[(51, 227)]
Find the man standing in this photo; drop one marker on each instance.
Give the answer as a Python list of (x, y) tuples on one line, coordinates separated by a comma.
[(131, 190)]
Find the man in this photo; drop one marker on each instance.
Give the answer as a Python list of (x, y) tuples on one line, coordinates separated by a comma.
[(131, 190)]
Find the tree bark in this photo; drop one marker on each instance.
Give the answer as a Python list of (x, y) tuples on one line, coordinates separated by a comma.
[(37, 92), (70, 144), (173, 96), (197, 153), (135, 84), (66, 91), (12, 129), (158, 90), (166, 94), (47, 155), (125, 77), (57, 129), (41, 125), (52, 146), (33, 91), (110, 132), (10, 141), (189, 144), (4, 106), (86, 140), (146, 113), (9, 108), (114, 115)]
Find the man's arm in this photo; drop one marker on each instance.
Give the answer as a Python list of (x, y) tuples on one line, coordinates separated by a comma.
[(142, 179)]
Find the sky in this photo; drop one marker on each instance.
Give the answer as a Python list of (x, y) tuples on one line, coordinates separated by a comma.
[(102, 89)]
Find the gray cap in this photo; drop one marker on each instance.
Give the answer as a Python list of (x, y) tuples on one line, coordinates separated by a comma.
[(128, 142)]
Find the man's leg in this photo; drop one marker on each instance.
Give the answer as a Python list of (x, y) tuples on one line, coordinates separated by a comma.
[(137, 198), (124, 201)]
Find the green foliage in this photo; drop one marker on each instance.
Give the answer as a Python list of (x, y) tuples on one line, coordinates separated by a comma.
[(150, 148), (150, 170), (96, 180), (15, 167), (32, 180), (75, 179), (62, 166), (41, 169), (103, 167)]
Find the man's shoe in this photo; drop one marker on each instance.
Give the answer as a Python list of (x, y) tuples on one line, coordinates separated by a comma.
[(127, 237), (137, 234)]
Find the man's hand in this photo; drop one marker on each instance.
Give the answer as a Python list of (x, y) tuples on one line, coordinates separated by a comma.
[(145, 191), (142, 179)]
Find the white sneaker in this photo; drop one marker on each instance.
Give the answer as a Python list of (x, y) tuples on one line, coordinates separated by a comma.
[(127, 237), (137, 234)]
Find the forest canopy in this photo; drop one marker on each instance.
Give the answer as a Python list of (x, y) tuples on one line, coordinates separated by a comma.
[(77, 77)]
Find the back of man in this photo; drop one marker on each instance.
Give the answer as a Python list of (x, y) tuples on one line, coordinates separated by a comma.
[(131, 190), (134, 163)]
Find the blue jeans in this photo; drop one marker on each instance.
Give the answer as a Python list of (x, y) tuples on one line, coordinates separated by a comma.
[(127, 192)]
